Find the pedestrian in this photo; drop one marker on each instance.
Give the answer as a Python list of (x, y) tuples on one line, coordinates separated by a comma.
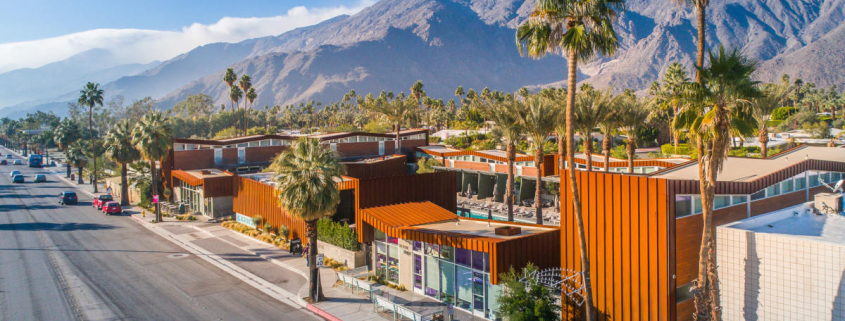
[(305, 255)]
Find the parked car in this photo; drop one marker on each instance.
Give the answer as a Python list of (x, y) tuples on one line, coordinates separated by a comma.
[(101, 200), (3, 162), (40, 178), (17, 179), (67, 198), (112, 208), (18, 162), (13, 173)]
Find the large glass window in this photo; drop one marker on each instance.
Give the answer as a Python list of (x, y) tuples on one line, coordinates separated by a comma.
[(759, 195), (696, 204), (379, 235), (786, 186), (739, 199), (835, 177), (825, 177), (463, 280), (432, 277), (447, 253), (418, 268), (493, 293), (447, 282), (814, 179), (721, 201), (463, 257), (800, 183), (683, 206), (773, 190)]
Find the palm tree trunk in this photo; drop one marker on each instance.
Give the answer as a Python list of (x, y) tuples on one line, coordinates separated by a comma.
[(588, 152), (764, 141), (702, 38), (315, 293), (397, 147), (511, 151), (561, 152), (573, 183), (606, 147), (538, 191), (154, 183), (68, 169), (79, 179), (124, 188), (630, 148), (91, 132)]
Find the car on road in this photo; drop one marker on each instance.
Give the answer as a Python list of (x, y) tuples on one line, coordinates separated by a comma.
[(8, 155), (3, 162), (18, 162), (17, 179), (40, 178), (13, 173), (67, 198), (101, 200), (112, 208)]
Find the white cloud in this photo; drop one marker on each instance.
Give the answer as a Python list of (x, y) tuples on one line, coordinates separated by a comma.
[(141, 46)]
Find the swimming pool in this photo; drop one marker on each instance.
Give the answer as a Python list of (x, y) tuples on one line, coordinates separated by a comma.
[(483, 216)]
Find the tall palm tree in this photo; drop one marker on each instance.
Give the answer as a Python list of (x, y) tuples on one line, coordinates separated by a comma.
[(91, 95), (120, 148), (580, 29), (675, 82), (720, 106), (75, 155), (591, 108), (764, 105), (229, 78), (538, 121), (701, 24), (395, 110), (153, 137), (507, 115), (65, 134), (235, 95), (608, 126), (460, 93), (632, 116), (417, 93), (305, 177), (250, 98), (245, 84)]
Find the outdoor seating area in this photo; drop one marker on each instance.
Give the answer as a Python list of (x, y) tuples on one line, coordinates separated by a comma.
[(385, 302), (524, 211)]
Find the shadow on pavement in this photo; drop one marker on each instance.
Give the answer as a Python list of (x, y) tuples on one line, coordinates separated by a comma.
[(41, 226)]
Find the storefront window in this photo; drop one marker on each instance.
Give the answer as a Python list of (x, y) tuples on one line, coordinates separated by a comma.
[(418, 271), (432, 277), (463, 280), (493, 292), (447, 282), (478, 261), (463, 257), (432, 249), (447, 253), (392, 240), (379, 235), (417, 246), (393, 264)]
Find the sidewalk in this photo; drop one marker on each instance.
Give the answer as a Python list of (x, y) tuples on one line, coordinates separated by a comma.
[(268, 268)]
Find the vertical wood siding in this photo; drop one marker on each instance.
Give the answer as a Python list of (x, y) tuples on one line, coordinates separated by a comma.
[(439, 188), (627, 231), (393, 166)]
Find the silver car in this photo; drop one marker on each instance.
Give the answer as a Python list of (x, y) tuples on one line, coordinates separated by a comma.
[(13, 173)]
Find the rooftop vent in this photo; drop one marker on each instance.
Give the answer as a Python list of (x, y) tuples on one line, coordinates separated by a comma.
[(205, 172), (508, 230)]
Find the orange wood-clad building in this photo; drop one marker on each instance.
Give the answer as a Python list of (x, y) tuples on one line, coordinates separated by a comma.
[(644, 231)]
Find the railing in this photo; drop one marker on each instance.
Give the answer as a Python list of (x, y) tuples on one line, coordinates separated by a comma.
[(350, 281), (383, 304)]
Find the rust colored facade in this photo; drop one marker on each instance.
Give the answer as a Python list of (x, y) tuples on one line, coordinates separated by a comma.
[(439, 188), (393, 165)]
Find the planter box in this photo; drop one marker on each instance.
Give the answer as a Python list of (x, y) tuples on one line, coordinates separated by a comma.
[(352, 259)]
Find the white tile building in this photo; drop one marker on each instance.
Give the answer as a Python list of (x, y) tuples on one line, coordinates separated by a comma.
[(785, 265)]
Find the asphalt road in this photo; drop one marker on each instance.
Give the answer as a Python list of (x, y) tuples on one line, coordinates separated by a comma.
[(74, 263)]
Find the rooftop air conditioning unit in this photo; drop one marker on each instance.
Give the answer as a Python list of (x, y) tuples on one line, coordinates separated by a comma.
[(205, 172), (828, 203)]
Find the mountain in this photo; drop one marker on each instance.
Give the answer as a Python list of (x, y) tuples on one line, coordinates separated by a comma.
[(47, 82), (446, 43)]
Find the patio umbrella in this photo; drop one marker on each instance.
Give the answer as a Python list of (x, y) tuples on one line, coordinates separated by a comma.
[(489, 216), (469, 191)]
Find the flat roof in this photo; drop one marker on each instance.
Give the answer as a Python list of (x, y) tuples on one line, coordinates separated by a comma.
[(267, 178), (805, 225), (498, 153), (743, 169), (213, 172), (439, 149), (480, 228)]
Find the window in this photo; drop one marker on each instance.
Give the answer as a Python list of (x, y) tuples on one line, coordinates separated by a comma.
[(721, 201), (800, 183), (463, 257), (696, 201), (432, 277), (825, 177), (447, 282), (739, 199), (773, 190), (447, 253), (786, 186), (683, 206), (814, 179), (759, 195), (835, 177), (379, 235), (682, 293)]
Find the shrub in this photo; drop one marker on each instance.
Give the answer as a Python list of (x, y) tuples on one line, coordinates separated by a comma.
[(619, 152), (839, 124), (337, 234), (269, 228), (425, 165), (683, 149), (256, 220), (284, 231), (266, 238), (783, 112)]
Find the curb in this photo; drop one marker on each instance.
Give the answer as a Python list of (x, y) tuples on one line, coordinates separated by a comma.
[(322, 313), (277, 262)]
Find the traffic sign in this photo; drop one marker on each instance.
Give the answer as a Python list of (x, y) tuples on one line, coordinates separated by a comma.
[(155, 199), (320, 258)]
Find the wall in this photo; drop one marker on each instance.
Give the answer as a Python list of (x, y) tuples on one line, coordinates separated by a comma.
[(779, 277), (364, 149), (439, 188), (390, 167), (222, 206), (626, 223), (193, 159), (261, 154), (352, 259), (254, 198)]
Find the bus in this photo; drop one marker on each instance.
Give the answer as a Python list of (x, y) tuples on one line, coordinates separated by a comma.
[(34, 160)]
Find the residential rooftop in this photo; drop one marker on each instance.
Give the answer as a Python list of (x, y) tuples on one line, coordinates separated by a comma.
[(743, 169), (797, 222)]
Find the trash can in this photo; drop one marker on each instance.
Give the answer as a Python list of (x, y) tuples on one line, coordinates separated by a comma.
[(181, 208), (295, 247)]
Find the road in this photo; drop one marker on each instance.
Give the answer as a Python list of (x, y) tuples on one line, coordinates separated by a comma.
[(74, 263)]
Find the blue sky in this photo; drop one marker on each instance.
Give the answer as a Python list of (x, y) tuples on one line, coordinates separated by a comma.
[(38, 32), (35, 19)]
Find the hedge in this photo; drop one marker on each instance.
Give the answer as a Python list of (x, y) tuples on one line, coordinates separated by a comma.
[(683, 149), (337, 234)]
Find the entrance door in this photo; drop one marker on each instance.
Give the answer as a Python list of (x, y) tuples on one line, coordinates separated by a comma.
[(418, 274), (241, 155)]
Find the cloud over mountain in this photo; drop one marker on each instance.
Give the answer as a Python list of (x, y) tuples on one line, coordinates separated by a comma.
[(143, 46)]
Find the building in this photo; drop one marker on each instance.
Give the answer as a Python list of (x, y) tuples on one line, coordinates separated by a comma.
[(644, 231), (207, 191), (785, 265)]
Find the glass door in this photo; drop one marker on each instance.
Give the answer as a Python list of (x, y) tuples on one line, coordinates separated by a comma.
[(418, 273)]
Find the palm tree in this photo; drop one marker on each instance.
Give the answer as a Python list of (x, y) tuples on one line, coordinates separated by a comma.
[(460, 93), (245, 84), (250, 98), (507, 115), (65, 134), (305, 177), (674, 83), (235, 95), (591, 108), (417, 92), (395, 110), (769, 100), (75, 155), (581, 29), (153, 137), (229, 78), (632, 117), (715, 109), (91, 95), (608, 126), (538, 120), (120, 148), (700, 10)]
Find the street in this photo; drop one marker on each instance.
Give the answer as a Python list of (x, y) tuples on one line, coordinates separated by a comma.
[(75, 263)]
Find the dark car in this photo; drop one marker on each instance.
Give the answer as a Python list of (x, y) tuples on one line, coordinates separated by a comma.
[(8, 155), (112, 208), (3, 162), (102, 200), (17, 179), (67, 198)]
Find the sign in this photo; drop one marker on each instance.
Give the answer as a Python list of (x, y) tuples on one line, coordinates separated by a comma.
[(155, 199), (320, 258)]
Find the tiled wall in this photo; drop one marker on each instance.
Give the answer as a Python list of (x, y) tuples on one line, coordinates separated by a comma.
[(779, 277)]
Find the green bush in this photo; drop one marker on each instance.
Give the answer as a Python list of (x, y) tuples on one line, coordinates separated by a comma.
[(337, 234), (256, 220), (284, 231), (426, 164), (146, 192), (783, 113), (683, 149), (839, 124), (620, 152), (269, 228)]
